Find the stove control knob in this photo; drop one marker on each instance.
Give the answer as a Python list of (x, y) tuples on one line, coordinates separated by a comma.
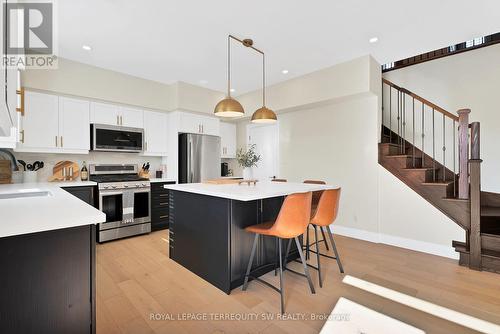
[(114, 187), (105, 187), (144, 184), (125, 186), (137, 185)]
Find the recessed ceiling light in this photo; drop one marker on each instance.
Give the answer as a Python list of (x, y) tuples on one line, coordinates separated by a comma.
[(87, 48), (373, 40), (232, 90), (284, 71)]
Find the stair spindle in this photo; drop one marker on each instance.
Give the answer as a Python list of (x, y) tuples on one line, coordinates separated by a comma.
[(413, 132), (444, 149), (423, 135), (433, 146), (403, 139), (390, 114)]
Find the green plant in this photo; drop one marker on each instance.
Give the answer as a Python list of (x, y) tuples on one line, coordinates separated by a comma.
[(247, 158)]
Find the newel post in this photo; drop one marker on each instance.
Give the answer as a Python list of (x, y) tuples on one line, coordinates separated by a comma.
[(475, 198), (463, 153)]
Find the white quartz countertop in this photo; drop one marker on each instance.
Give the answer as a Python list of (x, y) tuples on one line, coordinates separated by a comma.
[(245, 192), (58, 210), (68, 184)]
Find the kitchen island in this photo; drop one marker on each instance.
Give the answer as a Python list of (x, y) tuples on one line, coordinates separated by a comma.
[(47, 256), (207, 224)]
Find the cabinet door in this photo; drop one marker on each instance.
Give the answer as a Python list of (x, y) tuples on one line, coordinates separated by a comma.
[(132, 118), (155, 133), (74, 124), (40, 121), (104, 113), (190, 123), (228, 140), (210, 126)]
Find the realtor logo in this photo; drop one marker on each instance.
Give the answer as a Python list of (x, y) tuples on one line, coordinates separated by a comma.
[(29, 35)]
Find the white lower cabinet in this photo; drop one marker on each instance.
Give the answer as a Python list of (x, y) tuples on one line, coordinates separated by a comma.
[(155, 133), (54, 124)]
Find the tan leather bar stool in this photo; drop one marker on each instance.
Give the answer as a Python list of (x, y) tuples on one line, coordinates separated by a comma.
[(315, 200), (292, 220), (325, 215)]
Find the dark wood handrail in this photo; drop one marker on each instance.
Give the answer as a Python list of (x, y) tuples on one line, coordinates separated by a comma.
[(421, 99)]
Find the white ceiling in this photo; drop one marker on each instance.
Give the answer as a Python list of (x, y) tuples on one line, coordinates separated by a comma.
[(185, 40)]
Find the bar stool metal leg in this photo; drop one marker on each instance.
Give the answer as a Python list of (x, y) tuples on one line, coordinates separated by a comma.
[(317, 255), (335, 249), (286, 254), (307, 242), (324, 238), (254, 247), (281, 278), (304, 264), (276, 263)]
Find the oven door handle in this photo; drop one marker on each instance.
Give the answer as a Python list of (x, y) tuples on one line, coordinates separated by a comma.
[(109, 193)]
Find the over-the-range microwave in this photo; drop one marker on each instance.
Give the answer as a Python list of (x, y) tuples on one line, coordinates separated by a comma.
[(116, 138)]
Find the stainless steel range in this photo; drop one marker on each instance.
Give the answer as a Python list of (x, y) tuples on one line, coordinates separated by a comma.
[(125, 199)]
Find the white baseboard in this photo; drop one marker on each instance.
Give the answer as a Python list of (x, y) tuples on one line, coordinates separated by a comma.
[(416, 245)]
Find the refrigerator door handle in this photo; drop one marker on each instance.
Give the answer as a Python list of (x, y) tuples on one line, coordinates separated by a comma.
[(190, 161)]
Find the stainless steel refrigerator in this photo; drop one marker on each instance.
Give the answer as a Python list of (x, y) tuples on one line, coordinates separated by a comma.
[(199, 158)]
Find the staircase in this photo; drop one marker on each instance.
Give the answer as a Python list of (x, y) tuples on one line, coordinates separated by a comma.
[(437, 154)]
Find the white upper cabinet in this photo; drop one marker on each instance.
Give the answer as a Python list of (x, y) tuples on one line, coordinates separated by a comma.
[(132, 118), (112, 114), (228, 140), (194, 123), (40, 124), (74, 124), (155, 133), (104, 113), (54, 124)]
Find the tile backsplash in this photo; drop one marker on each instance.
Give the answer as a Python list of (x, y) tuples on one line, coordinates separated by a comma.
[(50, 159)]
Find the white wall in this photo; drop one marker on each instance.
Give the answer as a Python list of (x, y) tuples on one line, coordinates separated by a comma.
[(467, 80), (336, 143)]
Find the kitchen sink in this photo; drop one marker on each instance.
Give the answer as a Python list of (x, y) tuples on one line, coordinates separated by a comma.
[(25, 193)]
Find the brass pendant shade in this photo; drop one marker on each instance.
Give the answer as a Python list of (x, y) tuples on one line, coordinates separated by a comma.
[(264, 115), (229, 107)]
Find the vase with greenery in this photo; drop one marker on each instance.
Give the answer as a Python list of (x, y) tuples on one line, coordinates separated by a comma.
[(247, 159)]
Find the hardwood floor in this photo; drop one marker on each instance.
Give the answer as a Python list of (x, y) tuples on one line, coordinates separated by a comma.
[(136, 281)]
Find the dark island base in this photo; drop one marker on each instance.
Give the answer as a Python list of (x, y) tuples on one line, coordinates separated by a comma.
[(207, 237), (47, 283)]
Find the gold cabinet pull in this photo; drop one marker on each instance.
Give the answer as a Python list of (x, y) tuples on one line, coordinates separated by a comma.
[(22, 136), (117, 120), (56, 141), (62, 145), (21, 108)]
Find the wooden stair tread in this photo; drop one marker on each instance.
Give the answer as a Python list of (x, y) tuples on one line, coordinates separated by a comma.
[(420, 168), (401, 156), (440, 183), (460, 247), (490, 211), (455, 199)]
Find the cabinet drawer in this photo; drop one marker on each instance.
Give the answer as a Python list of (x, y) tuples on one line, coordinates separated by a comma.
[(159, 213), (159, 203)]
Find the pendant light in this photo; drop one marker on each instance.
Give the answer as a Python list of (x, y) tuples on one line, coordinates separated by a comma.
[(229, 107), (263, 114)]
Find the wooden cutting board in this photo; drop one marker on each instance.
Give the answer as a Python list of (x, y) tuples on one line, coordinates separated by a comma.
[(222, 181), (5, 172), (57, 171)]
